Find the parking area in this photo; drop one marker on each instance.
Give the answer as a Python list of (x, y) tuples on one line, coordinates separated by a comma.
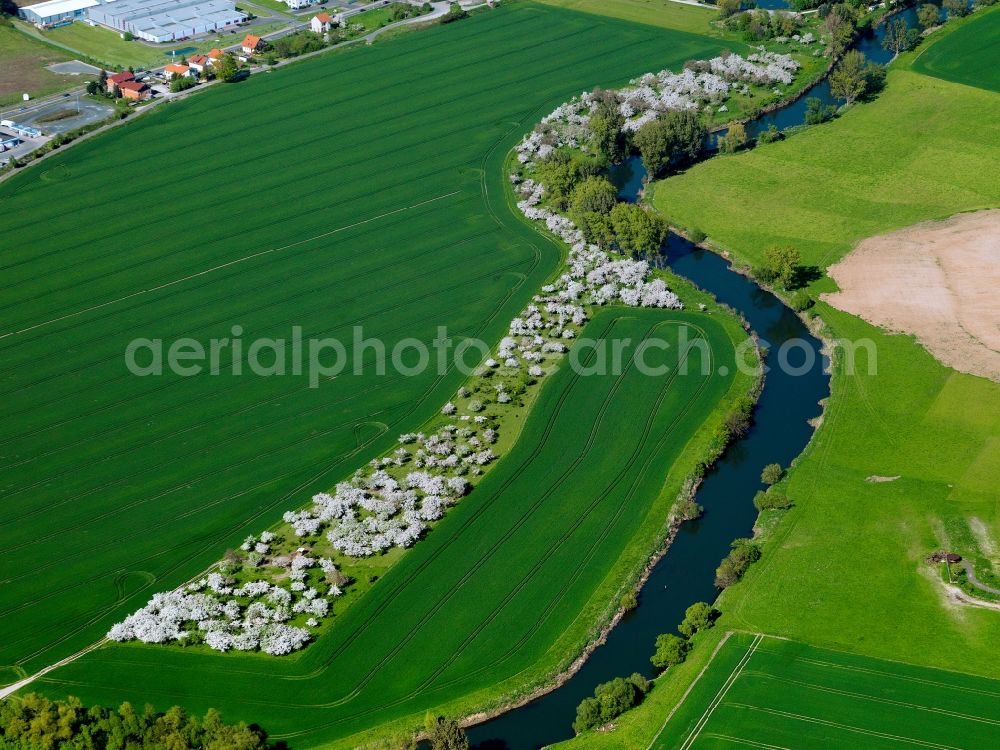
[(61, 115), (73, 68)]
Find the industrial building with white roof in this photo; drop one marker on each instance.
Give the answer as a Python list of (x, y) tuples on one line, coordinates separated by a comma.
[(149, 20)]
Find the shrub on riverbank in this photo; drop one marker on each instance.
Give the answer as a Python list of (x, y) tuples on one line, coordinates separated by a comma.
[(771, 500), (611, 699), (744, 553)]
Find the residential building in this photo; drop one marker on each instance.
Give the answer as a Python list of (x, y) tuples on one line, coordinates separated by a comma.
[(297, 4), (252, 44), (176, 69), (136, 91), (197, 63), (115, 80), (321, 22)]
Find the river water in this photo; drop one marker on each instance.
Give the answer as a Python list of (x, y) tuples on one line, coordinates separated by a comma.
[(781, 429)]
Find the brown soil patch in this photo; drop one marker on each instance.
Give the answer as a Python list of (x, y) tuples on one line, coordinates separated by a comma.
[(938, 281)]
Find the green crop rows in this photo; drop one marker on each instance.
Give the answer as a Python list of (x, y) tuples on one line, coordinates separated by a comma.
[(967, 54), (766, 692), (363, 188), (483, 599)]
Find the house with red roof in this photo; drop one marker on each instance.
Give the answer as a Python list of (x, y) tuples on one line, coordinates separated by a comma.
[(115, 81), (178, 70), (321, 22), (197, 63), (252, 44), (135, 91)]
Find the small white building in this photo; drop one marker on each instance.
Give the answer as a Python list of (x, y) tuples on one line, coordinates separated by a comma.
[(297, 4), (197, 63), (321, 22), (178, 70)]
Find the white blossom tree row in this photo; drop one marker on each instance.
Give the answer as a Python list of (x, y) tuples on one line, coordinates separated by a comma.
[(273, 600)]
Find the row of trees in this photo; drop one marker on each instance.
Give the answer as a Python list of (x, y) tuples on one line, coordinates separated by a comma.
[(36, 723), (613, 698), (758, 25)]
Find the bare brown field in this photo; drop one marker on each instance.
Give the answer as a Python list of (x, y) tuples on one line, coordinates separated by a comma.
[(938, 281)]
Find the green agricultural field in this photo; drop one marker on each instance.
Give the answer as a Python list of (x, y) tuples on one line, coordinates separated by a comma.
[(967, 53), (306, 197), (492, 598), (22, 67), (665, 13), (765, 692)]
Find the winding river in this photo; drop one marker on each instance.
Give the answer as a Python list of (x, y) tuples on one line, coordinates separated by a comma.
[(782, 428)]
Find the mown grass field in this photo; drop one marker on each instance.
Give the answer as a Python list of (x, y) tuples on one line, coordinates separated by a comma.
[(765, 692), (967, 53), (493, 597), (22, 67), (303, 197), (898, 161), (845, 568)]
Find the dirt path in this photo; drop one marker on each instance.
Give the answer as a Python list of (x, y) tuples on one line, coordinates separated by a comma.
[(937, 281)]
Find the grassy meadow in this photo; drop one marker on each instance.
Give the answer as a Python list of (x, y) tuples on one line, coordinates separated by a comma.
[(22, 67), (765, 692), (308, 197), (902, 159), (845, 568)]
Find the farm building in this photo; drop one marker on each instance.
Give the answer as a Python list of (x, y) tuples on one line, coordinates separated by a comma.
[(136, 91), (56, 12), (166, 20)]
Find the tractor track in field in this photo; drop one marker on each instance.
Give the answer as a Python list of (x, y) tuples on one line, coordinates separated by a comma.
[(223, 366), (359, 274)]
